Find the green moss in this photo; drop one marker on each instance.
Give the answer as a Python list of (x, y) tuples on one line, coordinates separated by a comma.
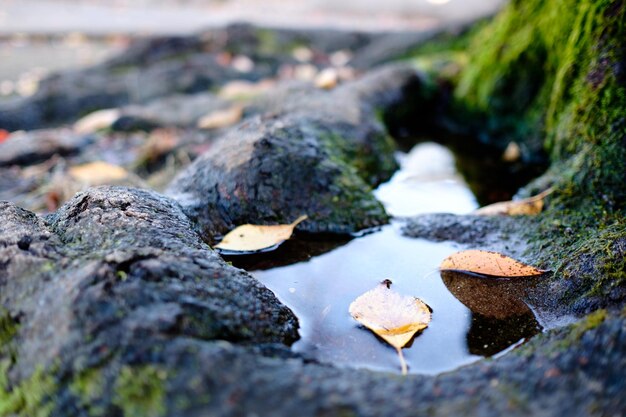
[(592, 321), (577, 330), (30, 398), (373, 161), (88, 386), (550, 75), (267, 41), (140, 391), (446, 54), (8, 328)]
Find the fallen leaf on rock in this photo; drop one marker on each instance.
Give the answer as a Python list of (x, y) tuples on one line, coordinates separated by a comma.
[(394, 317), (327, 79), (97, 120), (241, 89), (530, 206), (253, 238), (97, 173), (221, 118), (488, 263)]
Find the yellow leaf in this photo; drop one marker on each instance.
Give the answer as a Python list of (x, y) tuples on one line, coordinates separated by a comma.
[(393, 317), (327, 79), (240, 89), (254, 238), (488, 263), (221, 118), (97, 173), (527, 206), (98, 120)]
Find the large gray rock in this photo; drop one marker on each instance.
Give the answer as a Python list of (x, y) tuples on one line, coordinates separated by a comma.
[(317, 153), (117, 266)]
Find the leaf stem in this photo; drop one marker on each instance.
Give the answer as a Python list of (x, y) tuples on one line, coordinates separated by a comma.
[(402, 361)]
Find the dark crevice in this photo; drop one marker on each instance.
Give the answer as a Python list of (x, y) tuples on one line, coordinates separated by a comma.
[(432, 116)]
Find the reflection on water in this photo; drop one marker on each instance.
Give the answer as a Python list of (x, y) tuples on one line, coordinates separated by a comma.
[(500, 318), (427, 182), (471, 319)]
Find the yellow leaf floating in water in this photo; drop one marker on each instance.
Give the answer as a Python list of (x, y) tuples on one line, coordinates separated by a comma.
[(393, 317), (489, 263), (530, 206), (254, 238), (97, 173)]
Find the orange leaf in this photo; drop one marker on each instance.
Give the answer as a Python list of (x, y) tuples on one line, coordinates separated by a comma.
[(488, 263)]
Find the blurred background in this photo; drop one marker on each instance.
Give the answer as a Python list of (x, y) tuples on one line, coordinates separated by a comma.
[(40, 36)]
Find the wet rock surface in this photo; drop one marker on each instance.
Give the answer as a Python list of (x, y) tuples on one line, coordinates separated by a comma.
[(119, 266)]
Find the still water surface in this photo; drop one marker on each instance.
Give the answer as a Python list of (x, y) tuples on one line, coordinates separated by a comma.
[(320, 289)]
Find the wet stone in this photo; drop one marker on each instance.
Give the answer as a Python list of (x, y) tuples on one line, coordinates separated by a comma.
[(28, 148), (318, 154), (115, 266)]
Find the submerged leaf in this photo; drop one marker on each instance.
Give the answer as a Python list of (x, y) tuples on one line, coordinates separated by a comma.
[(524, 207), (97, 173), (488, 263), (254, 238), (393, 317)]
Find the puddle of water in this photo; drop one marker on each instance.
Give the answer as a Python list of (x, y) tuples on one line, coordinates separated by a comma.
[(319, 292), (321, 285)]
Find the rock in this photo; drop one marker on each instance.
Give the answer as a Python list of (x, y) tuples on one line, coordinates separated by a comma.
[(149, 321), (28, 148), (272, 170), (317, 153), (161, 66), (177, 110), (116, 266), (487, 232)]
